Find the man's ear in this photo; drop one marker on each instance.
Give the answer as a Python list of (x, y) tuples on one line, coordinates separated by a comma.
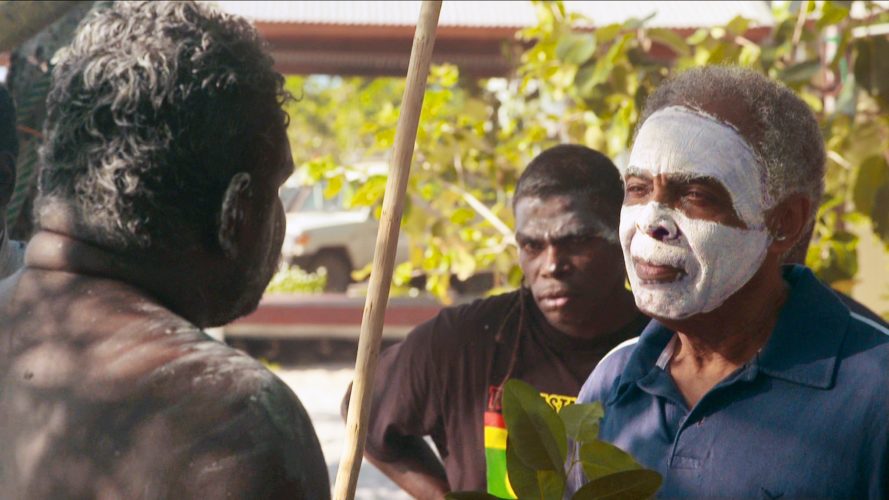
[(788, 222), (231, 215), (7, 178)]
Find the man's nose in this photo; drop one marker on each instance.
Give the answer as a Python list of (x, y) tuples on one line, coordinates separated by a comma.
[(657, 222), (555, 261)]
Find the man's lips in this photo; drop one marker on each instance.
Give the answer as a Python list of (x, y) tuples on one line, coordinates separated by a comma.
[(555, 300), (657, 273)]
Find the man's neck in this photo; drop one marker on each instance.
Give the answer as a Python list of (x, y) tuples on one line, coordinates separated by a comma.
[(163, 281), (711, 346), (55, 251), (605, 317)]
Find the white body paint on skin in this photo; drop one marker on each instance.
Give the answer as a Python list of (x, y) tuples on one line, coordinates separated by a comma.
[(680, 141), (717, 259), (570, 222), (606, 232)]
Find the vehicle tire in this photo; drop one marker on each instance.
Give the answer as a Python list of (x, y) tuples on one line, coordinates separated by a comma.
[(339, 270)]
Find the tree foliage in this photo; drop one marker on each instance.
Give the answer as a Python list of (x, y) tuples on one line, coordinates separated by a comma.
[(582, 85), (293, 280)]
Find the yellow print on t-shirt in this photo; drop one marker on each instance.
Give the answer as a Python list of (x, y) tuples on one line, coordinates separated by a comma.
[(557, 401)]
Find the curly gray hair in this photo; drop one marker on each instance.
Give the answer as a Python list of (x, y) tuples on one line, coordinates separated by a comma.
[(778, 125), (153, 108)]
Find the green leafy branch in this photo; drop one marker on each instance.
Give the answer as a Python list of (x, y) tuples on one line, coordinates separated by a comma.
[(577, 84), (294, 280), (537, 451)]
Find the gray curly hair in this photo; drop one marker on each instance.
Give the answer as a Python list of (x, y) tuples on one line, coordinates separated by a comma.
[(780, 128), (153, 108)]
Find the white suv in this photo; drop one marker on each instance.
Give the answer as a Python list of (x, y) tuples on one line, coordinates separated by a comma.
[(323, 233)]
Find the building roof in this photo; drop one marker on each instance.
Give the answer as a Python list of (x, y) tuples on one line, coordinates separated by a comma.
[(497, 14), (374, 38)]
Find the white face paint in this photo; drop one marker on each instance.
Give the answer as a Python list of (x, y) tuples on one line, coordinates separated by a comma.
[(716, 260)]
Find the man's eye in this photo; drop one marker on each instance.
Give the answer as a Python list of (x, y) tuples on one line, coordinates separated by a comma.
[(636, 190), (532, 246), (697, 195)]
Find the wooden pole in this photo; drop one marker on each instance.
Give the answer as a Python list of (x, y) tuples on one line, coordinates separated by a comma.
[(384, 253)]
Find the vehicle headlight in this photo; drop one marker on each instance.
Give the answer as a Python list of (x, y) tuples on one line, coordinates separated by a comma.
[(302, 240), (298, 244), (295, 244)]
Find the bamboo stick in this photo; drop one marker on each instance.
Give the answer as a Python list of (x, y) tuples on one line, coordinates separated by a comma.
[(384, 253)]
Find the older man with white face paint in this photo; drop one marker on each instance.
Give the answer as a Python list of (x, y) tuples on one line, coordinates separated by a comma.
[(672, 253), (753, 379)]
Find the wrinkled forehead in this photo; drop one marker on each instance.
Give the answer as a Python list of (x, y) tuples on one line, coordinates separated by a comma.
[(534, 210), (680, 142), (560, 215)]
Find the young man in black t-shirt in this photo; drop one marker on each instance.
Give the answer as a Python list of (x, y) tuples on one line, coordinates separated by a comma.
[(445, 380)]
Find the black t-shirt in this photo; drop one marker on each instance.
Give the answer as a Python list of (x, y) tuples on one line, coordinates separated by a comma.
[(441, 381)]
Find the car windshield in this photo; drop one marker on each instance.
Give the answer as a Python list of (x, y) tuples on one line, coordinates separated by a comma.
[(312, 199)]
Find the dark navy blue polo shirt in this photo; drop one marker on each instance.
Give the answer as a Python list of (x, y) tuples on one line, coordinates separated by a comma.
[(807, 417)]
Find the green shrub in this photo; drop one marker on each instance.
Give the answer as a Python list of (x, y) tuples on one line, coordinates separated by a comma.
[(295, 280)]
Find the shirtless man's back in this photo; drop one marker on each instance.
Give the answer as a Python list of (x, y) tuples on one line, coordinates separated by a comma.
[(157, 216), (121, 398)]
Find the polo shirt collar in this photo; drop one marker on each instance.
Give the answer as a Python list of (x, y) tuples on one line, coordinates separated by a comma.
[(802, 349), (643, 360), (806, 341)]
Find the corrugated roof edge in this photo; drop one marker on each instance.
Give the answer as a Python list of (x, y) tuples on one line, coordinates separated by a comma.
[(483, 18)]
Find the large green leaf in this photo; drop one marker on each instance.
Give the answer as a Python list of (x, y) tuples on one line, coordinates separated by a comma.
[(880, 214), (873, 174), (800, 72), (582, 421), (671, 39), (369, 193), (738, 26), (334, 186), (576, 48), (552, 484), (531, 482), (600, 459), (584, 82), (832, 13), (534, 428), (627, 485), (607, 33), (604, 65), (635, 23), (872, 67)]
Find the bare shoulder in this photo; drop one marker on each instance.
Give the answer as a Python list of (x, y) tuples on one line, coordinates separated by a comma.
[(248, 431), (143, 401)]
